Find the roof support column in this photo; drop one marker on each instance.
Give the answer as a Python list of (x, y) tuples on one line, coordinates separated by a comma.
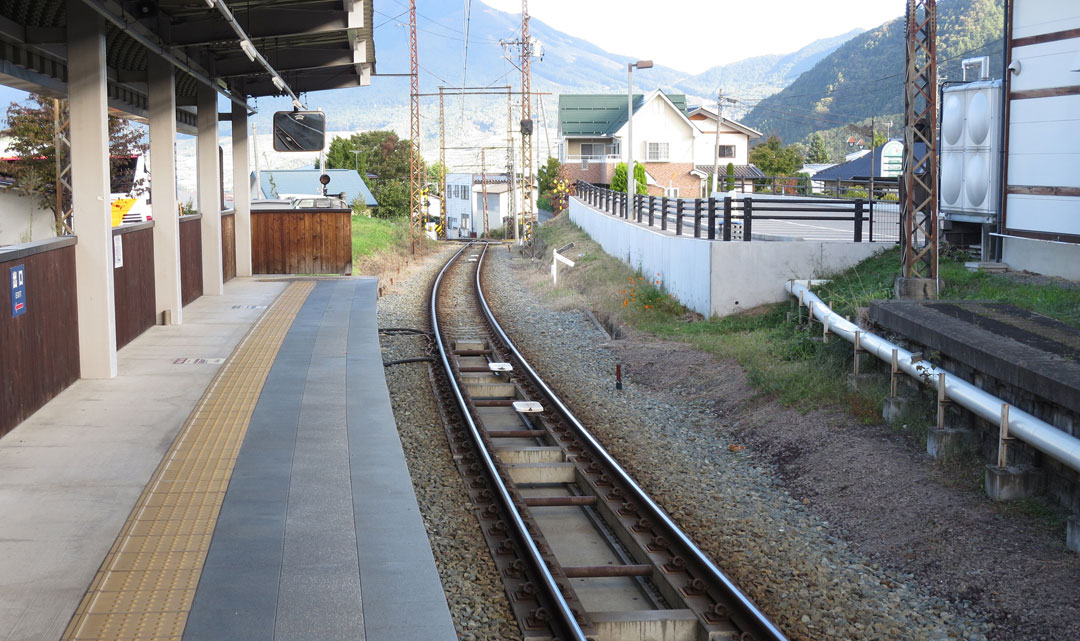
[(209, 183), (241, 189), (90, 191), (162, 103)]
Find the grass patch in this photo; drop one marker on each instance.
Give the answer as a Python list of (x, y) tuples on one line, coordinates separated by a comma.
[(370, 235), (381, 245), (873, 279), (782, 359)]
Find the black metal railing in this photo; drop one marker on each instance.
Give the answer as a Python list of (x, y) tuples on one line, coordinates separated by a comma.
[(738, 218)]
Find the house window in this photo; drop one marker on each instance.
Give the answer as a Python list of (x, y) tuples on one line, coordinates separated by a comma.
[(671, 192), (726, 151), (658, 151), (592, 150)]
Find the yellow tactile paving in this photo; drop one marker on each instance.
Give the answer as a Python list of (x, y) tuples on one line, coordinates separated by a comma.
[(146, 584)]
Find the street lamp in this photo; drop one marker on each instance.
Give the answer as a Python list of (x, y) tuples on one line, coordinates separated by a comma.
[(356, 158), (631, 183)]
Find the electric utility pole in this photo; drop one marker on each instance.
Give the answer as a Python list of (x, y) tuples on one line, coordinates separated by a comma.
[(716, 144), (527, 205), (511, 178), (442, 166)]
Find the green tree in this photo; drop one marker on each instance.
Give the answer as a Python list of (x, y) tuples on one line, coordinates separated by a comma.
[(618, 177), (435, 173), (817, 152), (383, 161), (639, 177), (545, 176), (773, 158), (30, 125), (730, 176)]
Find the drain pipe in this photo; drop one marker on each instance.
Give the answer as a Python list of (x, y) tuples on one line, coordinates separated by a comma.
[(1019, 424)]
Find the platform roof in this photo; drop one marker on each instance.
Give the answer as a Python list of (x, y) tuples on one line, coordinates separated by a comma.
[(313, 44)]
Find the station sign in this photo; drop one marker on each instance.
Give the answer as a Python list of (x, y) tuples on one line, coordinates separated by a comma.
[(18, 290)]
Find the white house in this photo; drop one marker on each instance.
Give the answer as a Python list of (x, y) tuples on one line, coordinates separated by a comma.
[(673, 144), (465, 203)]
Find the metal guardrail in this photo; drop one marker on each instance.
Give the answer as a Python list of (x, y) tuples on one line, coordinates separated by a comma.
[(730, 218)]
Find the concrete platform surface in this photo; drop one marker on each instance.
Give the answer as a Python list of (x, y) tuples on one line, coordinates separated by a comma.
[(70, 474), (318, 534)]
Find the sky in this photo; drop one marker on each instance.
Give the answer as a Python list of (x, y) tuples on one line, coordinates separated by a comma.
[(675, 35)]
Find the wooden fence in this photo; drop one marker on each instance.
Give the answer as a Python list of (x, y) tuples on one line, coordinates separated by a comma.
[(191, 277), (228, 245), (39, 348), (301, 241), (133, 281)]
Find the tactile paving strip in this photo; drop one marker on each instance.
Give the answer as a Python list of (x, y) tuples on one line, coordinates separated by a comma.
[(145, 586)]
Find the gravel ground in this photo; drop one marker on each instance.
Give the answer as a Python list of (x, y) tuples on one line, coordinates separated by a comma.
[(682, 449), (837, 531), (473, 588)]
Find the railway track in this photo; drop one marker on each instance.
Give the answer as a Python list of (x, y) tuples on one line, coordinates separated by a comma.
[(584, 553)]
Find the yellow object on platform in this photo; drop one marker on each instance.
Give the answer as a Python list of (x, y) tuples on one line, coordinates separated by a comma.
[(120, 207)]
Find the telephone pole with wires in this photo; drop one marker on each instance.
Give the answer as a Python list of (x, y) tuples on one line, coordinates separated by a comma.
[(416, 165), (527, 206), (483, 188), (716, 143), (442, 167), (511, 178)]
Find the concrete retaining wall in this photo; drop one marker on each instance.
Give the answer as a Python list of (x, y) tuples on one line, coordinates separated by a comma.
[(714, 277), (746, 275), (683, 264), (1041, 256)]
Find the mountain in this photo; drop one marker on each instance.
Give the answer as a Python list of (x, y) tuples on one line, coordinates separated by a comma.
[(865, 76), (760, 76), (568, 65)]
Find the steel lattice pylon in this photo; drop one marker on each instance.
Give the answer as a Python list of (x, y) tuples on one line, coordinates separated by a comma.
[(919, 200), (527, 206), (416, 165)]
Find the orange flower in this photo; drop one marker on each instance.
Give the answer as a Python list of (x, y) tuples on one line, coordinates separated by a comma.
[(646, 307), (625, 302), (657, 282)]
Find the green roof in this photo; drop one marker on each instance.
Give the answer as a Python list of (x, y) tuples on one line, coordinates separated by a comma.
[(600, 114)]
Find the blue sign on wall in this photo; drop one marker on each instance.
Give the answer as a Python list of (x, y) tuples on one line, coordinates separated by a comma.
[(18, 290)]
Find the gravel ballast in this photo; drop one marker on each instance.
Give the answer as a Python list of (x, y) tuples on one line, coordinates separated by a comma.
[(472, 585), (738, 474), (809, 582)]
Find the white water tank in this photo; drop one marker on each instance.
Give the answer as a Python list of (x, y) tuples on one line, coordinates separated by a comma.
[(970, 152)]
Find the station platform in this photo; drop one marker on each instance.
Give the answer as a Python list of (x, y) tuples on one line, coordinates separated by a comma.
[(242, 478)]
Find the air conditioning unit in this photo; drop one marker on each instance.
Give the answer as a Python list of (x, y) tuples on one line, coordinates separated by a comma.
[(970, 152)]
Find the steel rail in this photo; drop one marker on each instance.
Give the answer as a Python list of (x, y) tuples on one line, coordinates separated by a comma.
[(765, 630), (538, 562)]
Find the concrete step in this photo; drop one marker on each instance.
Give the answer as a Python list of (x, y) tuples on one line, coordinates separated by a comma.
[(531, 454)]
